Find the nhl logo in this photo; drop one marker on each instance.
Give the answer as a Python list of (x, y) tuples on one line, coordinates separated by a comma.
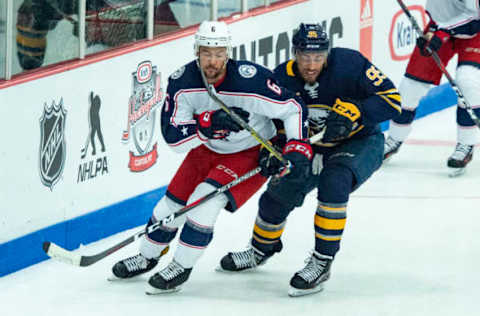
[(52, 143), (143, 103)]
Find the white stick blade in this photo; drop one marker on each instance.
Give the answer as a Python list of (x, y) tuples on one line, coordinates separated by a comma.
[(60, 254)]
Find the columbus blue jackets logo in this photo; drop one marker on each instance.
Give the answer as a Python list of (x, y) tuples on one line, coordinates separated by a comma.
[(142, 108), (247, 71), (52, 143), (178, 73)]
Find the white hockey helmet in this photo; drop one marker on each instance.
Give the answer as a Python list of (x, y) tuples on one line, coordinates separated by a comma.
[(213, 34)]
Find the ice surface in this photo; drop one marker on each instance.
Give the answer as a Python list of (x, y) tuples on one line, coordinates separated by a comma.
[(410, 247)]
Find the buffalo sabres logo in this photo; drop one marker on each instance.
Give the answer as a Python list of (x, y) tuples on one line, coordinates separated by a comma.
[(247, 71), (52, 143), (312, 90), (317, 114)]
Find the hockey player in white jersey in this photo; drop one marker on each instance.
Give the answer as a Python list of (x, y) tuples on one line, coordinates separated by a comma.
[(219, 151), (453, 29)]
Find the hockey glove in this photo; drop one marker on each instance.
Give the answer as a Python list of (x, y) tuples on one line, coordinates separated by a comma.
[(341, 120), (267, 161), (218, 124), (300, 154), (431, 42)]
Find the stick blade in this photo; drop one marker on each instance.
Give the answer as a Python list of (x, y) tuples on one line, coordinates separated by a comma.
[(58, 253)]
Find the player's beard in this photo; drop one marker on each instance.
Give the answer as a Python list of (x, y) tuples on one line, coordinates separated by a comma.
[(310, 76), (213, 73)]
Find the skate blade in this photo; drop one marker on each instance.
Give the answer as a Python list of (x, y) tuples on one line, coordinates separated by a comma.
[(113, 278), (455, 172), (222, 270), (294, 292), (387, 159), (150, 290)]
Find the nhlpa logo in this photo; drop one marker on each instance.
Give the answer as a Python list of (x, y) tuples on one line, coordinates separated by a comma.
[(402, 36), (52, 143), (93, 166), (142, 106)]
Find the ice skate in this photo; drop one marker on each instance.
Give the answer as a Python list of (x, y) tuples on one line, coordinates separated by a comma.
[(134, 266), (242, 260), (311, 278), (168, 280), (458, 161), (391, 147)]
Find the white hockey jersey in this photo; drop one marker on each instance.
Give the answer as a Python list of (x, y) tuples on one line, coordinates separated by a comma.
[(460, 17), (248, 86)]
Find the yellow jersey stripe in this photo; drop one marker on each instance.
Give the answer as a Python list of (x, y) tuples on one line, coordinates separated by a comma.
[(396, 107), (388, 91), (267, 234), (31, 41), (395, 97), (319, 106), (331, 224), (290, 68), (263, 241)]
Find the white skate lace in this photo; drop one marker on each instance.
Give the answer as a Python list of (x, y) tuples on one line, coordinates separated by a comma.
[(313, 269), (136, 263), (244, 259), (391, 144), (171, 271), (461, 151)]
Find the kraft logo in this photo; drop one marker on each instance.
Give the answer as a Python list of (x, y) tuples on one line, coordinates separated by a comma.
[(402, 35)]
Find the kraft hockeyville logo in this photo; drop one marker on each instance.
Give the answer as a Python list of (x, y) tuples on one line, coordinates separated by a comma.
[(93, 165), (402, 36), (52, 151), (142, 110)]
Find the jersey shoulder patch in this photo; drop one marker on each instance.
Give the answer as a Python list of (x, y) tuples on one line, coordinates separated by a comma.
[(247, 71), (178, 73)]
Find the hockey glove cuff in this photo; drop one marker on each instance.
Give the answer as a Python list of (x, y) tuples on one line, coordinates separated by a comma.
[(300, 154), (218, 124), (342, 120)]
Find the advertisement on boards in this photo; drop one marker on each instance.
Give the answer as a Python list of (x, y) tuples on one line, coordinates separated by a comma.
[(142, 120), (402, 36), (366, 28), (52, 151)]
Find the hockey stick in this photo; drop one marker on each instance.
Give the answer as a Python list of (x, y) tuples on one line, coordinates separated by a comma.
[(212, 93), (461, 99), (56, 252)]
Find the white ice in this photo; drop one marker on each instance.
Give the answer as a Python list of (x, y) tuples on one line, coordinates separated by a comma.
[(410, 247)]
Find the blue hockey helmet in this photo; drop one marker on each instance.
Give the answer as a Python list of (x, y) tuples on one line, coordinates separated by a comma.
[(310, 37)]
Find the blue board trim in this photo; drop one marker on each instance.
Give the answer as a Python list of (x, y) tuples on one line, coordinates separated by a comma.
[(27, 250), (437, 99)]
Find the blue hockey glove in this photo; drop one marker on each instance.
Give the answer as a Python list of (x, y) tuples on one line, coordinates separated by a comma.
[(341, 120), (218, 124)]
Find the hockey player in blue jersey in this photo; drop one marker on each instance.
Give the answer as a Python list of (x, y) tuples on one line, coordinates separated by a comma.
[(219, 151), (348, 97)]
